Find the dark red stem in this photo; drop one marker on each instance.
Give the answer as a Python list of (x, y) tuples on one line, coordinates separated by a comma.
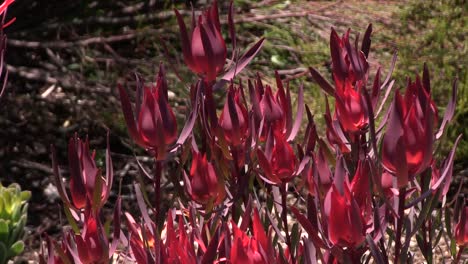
[(157, 190), (460, 251), (284, 216), (401, 214)]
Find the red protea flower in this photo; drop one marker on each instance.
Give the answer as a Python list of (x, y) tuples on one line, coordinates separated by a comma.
[(335, 133), (234, 119), (410, 131), (203, 184), (347, 206), (350, 108), (179, 245), (84, 175), (350, 68), (204, 50), (461, 228), (345, 224), (142, 241), (156, 126), (266, 107), (245, 249), (92, 244), (271, 109), (278, 164), (360, 189)]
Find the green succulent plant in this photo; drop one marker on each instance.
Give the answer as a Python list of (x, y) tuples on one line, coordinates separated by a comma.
[(13, 216)]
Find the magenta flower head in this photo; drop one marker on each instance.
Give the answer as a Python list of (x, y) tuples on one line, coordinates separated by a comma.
[(461, 228), (234, 119), (345, 225), (350, 108), (348, 207), (155, 126), (203, 184), (85, 176), (278, 163), (204, 50), (410, 131), (255, 249), (92, 244), (350, 71)]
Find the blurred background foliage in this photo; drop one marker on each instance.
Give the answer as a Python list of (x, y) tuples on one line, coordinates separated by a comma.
[(66, 58)]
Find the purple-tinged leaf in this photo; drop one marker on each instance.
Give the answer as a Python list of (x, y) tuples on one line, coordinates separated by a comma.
[(129, 117), (185, 40), (142, 207), (448, 169), (309, 228), (207, 40), (109, 169), (58, 179), (233, 115), (246, 216), (378, 258), (370, 114), (275, 226), (255, 101), (300, 111), (266, 167), (210, 253), (449, 110), (139, 93), (358, 62), (188, 127), (426, 79), (338, 63), (366, 41), (117, 230), (300, 168), (322, 82), (384, 100), (142, 169), (269, 144), (310, 253), (390, 70), (244, 60), (341, 175), (96, 202), (376, 89)]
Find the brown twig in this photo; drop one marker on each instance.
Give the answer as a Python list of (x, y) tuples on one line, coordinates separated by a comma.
[(68, 44)]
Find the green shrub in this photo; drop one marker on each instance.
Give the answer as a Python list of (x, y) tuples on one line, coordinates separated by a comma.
[(13, 215)]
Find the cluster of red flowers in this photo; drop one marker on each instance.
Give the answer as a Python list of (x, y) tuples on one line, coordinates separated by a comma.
[(373, 173)]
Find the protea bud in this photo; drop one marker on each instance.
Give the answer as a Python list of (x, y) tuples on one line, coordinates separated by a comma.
[(350, 108), (156, 126), (85, 176), (92, 244), (461, 228), (203, 184), (279, 164), (345, 224), (234, 118), (245, 249), (204, 50), (410, 131), (347, 207), (142, 241)]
